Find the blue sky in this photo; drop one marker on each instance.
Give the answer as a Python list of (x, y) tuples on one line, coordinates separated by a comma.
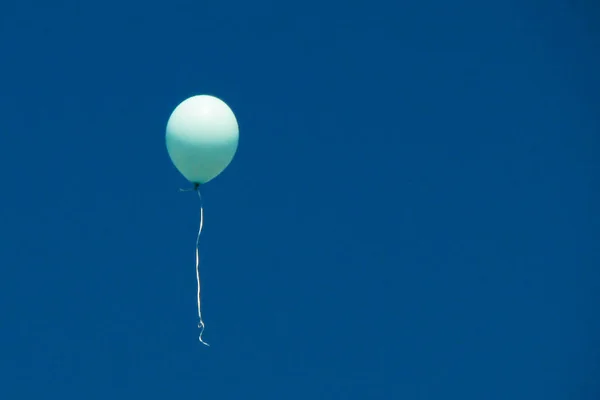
[(411, 214)]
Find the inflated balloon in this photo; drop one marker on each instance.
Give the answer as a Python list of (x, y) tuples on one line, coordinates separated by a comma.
[(202, 137)]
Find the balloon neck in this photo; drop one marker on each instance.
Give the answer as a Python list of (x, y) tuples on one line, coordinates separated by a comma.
[(196, 186)]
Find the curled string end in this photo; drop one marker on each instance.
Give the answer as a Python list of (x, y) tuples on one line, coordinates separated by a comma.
[(201, 326)]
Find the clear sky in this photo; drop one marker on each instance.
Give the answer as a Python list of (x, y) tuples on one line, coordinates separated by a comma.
[(412, 212)]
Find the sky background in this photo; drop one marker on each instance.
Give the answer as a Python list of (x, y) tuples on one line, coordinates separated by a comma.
[(412, 212)]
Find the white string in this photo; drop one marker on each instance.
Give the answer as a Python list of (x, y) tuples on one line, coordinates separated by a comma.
[(201, 322)]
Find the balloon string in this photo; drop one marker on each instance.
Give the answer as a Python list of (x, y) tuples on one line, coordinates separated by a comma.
[(201, 322)]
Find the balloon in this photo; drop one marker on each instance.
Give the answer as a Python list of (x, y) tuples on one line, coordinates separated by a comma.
[(202, 138)]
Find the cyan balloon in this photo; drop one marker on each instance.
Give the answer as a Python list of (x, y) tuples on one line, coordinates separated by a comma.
[(202, 138)]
